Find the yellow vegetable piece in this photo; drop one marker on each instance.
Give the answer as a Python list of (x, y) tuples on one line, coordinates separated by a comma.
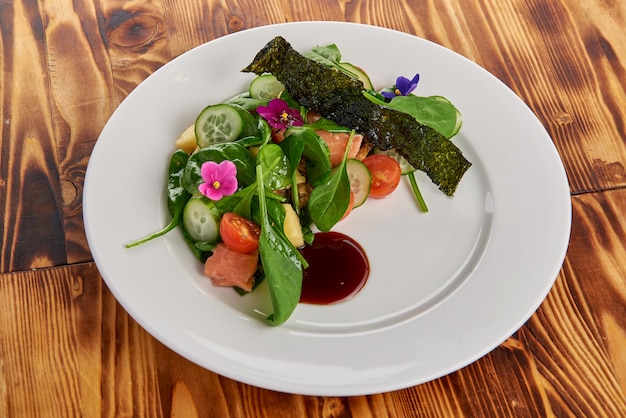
[(292, 227), (187, 140)]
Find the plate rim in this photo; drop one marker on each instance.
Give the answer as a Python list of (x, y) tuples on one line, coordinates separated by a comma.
[(304, 388)]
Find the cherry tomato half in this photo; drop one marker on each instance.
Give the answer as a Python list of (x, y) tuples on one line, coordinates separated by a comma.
[(385, 173), (238, 233)]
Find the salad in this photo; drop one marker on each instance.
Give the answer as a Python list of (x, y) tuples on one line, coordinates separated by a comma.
[(258, 176)]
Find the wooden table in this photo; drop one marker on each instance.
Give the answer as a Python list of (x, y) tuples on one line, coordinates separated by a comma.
[(68, 349)]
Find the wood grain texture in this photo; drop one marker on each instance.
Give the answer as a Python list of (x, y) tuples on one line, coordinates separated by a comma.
[(67, 348), (566, 61), (30, 197), (62, 330)]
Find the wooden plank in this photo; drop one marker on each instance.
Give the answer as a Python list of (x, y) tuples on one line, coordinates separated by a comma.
[(63, 332), (567, 66), (82, 97), (136, 39), (574, 87), (50, 342), (30, 194)]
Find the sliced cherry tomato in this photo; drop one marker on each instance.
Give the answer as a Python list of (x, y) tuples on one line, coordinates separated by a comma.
[(238, 233), (385, 173)]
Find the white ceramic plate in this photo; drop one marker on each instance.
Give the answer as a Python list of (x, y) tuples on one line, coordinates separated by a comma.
[(445, 288)]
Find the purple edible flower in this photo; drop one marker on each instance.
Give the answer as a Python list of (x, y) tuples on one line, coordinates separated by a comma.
[(219, 179), (279, 115), (403, 87)]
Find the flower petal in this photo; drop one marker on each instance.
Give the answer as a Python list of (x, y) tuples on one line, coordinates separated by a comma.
[(226, 169), (406, 86), (214, 194), (279, 115), (228, 186), (208, 171)]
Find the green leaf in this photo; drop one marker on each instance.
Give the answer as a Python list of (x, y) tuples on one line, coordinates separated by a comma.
[(435, 111), (329, 55), (330, 199), (246, 102), (293, 147), (315, 151), (176, 193), (235, 152), (327, 125), (240, 202), (276, 168), (281, 264), (177, 196)]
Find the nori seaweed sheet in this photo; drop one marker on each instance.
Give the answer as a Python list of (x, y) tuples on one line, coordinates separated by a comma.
[(339, 97)]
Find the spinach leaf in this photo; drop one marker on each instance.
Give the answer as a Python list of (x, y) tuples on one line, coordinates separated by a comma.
[(435, 111), (293, 148), (329, 55), (275, 166), (329, 200), (232, 151), (245, 101), (265, 132), (281, 264), (327, 125), (239, 202), (307, 223), (177, 196), (315, 151)]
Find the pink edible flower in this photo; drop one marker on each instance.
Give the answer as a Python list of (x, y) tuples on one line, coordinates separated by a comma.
[(279, 115), (219, 179)]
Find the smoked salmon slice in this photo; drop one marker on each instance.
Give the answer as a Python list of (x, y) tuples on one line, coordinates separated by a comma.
[(230, 268)]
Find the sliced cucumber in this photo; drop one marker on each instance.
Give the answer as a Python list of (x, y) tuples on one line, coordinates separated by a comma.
[(218, 123), (201, 219), (360, 180), (404, 164), (223, 123), (265, 87), (355, 72)]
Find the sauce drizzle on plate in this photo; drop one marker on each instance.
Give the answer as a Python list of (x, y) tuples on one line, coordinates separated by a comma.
[(338, 269)]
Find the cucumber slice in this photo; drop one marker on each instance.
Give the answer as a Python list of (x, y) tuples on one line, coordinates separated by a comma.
[(355, 72), (219, 123), (201, 219), (265, 87), (360, 180), (405, 167)]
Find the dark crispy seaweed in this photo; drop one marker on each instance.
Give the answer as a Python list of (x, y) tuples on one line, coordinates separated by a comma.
[(339, 97)]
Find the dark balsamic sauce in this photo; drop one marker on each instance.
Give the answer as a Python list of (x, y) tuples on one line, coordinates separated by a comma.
[(338, 269)]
